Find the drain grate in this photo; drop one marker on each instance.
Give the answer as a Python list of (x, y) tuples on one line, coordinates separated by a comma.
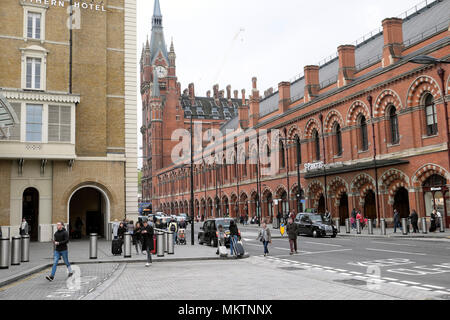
[(352, 282), (291, 268)]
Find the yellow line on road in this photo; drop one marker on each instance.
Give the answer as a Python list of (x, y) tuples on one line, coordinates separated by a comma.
[(9, 286)]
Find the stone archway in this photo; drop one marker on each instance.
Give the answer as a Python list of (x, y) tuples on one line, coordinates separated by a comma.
[(30, 211)]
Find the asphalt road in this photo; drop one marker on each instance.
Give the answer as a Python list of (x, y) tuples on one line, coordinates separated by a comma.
[(423, 264)]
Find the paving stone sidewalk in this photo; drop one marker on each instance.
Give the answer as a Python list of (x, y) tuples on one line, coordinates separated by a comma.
[(41, 257)]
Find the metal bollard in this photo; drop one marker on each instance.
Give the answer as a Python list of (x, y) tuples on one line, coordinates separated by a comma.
[(370, 226), (166, 242), (347, 226), (424, 225), (358, 226), (160, 244), (170, 242), (383, 226), (127, 245), (25, 248), (442, 224), (15, 251), (338, 225), (4, 253), (109, 231), (93, 238), (404, 226)]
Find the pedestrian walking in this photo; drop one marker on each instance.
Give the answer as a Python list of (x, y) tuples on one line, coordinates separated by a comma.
[(23, 230), (265, 237), (234, 232), (433, 225), (396, 221), (60, 240), (414, 218), (438, 219), (173, 227), (147, 241), (328, 216), (137, 238), (292, 231)]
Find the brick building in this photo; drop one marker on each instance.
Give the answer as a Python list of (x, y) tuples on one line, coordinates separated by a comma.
[(328, 135), (70, 83)]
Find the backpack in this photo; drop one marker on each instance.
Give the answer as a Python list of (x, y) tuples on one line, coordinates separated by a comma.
[(172, 228)]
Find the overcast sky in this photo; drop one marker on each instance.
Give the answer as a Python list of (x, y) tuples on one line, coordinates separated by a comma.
[(230, 41)]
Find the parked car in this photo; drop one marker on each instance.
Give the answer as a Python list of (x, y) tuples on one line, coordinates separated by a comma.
[(208, 232), (311, 224)]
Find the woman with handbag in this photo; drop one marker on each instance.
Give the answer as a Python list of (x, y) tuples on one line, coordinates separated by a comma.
[(265, 237)]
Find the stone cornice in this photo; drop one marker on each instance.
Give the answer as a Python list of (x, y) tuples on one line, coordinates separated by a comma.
[(17, 94)]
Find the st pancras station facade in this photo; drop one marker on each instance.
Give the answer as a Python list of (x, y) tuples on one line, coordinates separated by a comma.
[(365, 129), (68, 124)]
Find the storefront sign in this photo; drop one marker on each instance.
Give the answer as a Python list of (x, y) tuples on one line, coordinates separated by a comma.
[(76, 4), (436, 189), (314, 166)]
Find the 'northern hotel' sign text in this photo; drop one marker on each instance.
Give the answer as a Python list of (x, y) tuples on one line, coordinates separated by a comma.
[(76, 4)]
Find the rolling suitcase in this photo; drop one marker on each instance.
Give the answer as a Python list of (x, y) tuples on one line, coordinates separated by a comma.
[(238, 248), (154, 245), (116, 247)]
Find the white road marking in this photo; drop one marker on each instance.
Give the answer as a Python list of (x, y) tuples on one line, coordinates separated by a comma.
[(395, 244), (443, 292), (331, 271), (283, 249), (331, 251), (323, 244), (410, 282), (421, 288), (346, 274), (361, 277), (341, 270), (354, 272), (433, 287), (399, 284), (400, 252), (390, 279)]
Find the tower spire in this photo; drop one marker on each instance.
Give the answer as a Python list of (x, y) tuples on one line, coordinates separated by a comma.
[(157, 16), (157, 43)]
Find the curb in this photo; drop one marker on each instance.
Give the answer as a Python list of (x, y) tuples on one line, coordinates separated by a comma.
[(392, 236), (39, 268)]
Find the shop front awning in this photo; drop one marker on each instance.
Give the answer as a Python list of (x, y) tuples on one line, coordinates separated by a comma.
[(8, 118), (368, 165)]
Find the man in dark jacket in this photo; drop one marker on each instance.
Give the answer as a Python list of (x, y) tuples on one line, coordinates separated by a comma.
[(292, 231), (234, 233), (396, 221), (60, 240), (414, 217), (147, 241)]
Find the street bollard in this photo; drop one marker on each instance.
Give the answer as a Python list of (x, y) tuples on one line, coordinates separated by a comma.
[(109, 231), (4, 253), (54, 229), (170, 242), (15, 251), (383, 226), (347, 226), (442, 224), (25, 248), (127, 245), (424, 225), (166, 242), (404, 226), (358, 226), (370, 226), (93, 238), (160, 244), (338, 225)]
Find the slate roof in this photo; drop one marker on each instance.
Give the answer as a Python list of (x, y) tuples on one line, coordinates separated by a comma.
[(206, 108)]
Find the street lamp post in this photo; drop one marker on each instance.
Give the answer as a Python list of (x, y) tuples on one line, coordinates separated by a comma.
[(427, 60), (370, 99), (258, 206), (192, 186), (324, 162)]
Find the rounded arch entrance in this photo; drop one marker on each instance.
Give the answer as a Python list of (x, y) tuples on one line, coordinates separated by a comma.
[(370, 209), (91, 205), (343, 208), (401, 202), (30, 211)]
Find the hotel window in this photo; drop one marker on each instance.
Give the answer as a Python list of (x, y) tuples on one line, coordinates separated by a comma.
[(338, 141), (34, 25), (393, 125), (364, 143), (431, 115), (34, 123), (59, 118), (316, 145), (33, 73)]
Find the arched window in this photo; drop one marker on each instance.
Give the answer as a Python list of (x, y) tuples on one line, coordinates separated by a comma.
[(338, 139), (431, 115), (316, 144), (282, 156), (363, 133), (393, 125)]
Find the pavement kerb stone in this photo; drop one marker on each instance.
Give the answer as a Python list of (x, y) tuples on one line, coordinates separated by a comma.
[(39, 268)]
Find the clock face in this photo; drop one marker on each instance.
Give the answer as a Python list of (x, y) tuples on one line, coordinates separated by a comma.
[(161, 71)]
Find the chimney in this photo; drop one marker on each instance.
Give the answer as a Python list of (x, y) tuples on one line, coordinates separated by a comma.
[(254, 104), (393, 41), (185, 92), (312, 85), (236, 94), (284, 92), (191, 92), (347, 65), (208, 93), (243, 112), (228, 92), (216, 91), (221, 94)]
